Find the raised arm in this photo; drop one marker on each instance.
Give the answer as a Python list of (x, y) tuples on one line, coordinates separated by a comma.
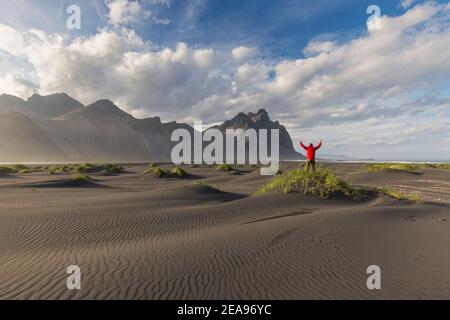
[(319, 145), (303, 146)]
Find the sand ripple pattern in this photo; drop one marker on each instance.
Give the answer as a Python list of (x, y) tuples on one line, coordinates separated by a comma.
[(194, 242)]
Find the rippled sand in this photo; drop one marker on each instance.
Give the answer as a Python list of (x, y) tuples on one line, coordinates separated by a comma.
[(205, 237)]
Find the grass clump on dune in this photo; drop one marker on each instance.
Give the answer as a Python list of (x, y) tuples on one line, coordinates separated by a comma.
[(20, 168), (58, 170), (178, 171), (174, 172), (224, 167), (406, 166), (104, 169), (68, 168), (110, 169), (395, 194), (82, 168), (444, 166), (81, 177), (6, 169), (322, 183), (39, 168), (393, 166), (156, 171), (16, 168)]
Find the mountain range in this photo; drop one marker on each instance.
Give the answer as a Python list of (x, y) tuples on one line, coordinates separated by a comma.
[(57, 128)]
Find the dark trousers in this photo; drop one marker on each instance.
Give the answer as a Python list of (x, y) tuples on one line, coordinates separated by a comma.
[(310, 164)]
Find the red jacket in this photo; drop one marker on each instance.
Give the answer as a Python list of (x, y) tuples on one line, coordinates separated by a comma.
[(311, 150)]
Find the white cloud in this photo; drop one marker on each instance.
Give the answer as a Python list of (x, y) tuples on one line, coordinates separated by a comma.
[(17, 85), (123, 12), (380, 76), (243, 53), (406, 3), (117, 64), (317, 47), (11, 41), (408, 52)]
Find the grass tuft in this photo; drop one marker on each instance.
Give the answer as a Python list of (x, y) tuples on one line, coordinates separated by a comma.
[(16, 168), (178, 171), (444, 166), (81, 177), (58, 170), (392, 166), (395, 194), (224, 167), (159, 173), (156, 171), (406, 166), (322, 183), (110, 169)]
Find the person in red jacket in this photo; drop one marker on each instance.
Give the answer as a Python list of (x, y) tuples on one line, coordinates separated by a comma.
[(311, 155)]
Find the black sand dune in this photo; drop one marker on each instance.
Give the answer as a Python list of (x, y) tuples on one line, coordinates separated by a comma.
[(384, 176), (432, 184), (7, 176), (59, 183), (174, 239)]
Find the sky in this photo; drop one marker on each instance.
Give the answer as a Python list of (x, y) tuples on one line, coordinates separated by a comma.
[(377, 89)]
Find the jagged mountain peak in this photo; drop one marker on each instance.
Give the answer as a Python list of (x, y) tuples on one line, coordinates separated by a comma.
[(101, 109), (10, 99), (107, 106), (60, 95), (261, 116), (261, 120), (52, 105), (258, 120), (12, 103), (101, 130), (9, 96)]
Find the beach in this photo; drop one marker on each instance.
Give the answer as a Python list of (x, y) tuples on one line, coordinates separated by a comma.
[(207, 236)]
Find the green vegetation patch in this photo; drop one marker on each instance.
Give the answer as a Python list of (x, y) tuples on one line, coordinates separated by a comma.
[(406, 166), (17, 168), (81, 178), (395, 194), (444, 166), (178, 171), (156, 171), (224, 167), (82, 168), (324, 184), (392, 166), (111, 169), (58, 169)]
